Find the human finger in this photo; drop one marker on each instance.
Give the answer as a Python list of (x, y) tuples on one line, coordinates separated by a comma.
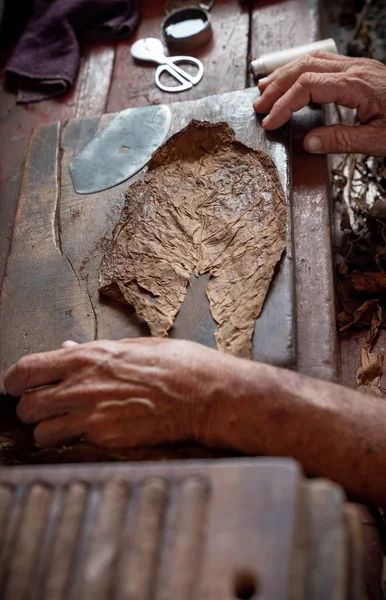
[(286, 76), (333, 56), (315, 87), (283, 81), (35, 370), (340, 139), (43, 403), (60, 430), (69, 344)]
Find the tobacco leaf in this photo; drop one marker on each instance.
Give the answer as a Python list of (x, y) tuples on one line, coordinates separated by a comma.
[(370, 372), (208, 204), (362, 271), (364, 311), (368, 284)]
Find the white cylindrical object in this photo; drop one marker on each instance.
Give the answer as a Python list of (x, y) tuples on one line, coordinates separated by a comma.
[(266, 64)]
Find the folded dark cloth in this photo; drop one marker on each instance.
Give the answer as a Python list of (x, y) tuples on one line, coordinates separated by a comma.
[(45, 61)]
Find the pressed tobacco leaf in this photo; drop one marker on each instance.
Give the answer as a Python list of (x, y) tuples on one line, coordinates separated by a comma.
[(208, 204)]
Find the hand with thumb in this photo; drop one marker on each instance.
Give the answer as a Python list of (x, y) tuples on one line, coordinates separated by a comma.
[(323, 77)]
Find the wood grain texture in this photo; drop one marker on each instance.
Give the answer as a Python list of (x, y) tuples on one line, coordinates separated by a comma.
[(356, 531), (186, 525), (63, 547), (225, 59), (25, 553), (197, 529), (59, 239), (329, 554), (97, 576), (301, 19), (144, 533), (86, 98), (276, 26), (27, 288), (95, 83), (284, 24)]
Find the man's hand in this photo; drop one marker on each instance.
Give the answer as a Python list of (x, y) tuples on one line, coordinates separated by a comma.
[(127, 393), (153, 391), (325, 77)]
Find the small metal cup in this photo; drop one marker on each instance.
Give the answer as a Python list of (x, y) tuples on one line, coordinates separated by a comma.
[(179, 29)]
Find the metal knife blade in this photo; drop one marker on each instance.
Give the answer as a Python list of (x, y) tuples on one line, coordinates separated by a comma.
[(121, 149)]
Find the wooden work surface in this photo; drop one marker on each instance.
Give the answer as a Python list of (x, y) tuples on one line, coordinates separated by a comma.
[(203, 529), (50, 293), (110, 81)]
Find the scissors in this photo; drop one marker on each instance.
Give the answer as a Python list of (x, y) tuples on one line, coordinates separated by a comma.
[(152, 50)]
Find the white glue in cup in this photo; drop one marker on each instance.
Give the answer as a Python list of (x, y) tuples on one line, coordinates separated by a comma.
[(267, 63)]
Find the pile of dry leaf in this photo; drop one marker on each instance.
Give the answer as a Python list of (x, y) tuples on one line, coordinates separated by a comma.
[(359, 186), (359, 192)]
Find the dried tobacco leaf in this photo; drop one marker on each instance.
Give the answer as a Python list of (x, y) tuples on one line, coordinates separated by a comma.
[(370, 372), (362, 271), (208, 204), (358, 315), (368, 284)]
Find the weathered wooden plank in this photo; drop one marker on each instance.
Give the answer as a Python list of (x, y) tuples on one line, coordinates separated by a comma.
[(328, 554), (276, 26), (315, 300), (87, 220), (41, 300), (209, 529), (224, 59), (70, 307), (62, 234), (280, 25), (26, 549), (95, 83), (88, 97)]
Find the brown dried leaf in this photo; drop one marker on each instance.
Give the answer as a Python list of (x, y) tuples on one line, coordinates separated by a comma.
[(370, 372), (368, 284), (360, 312), (208, 204)]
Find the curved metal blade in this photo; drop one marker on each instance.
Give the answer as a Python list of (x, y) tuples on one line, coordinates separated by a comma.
[(121, 149)]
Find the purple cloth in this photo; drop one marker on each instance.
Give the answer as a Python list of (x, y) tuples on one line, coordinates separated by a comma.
[(46, 58)]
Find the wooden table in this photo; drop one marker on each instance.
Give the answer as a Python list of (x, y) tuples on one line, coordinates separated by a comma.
[(59, 238), (109, 81)]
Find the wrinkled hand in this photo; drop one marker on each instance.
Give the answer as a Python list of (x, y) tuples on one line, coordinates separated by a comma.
[(325, 77), (122, 394)]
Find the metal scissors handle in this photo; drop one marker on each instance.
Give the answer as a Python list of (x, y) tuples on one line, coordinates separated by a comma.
[(186, 80), (151, 49)]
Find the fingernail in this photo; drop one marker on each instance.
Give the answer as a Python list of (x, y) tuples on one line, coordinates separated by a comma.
[(264, 121), (264, 81), (69, 343), (314, 144)]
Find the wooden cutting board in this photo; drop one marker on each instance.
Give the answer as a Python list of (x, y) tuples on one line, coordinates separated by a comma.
[(50, 290)]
